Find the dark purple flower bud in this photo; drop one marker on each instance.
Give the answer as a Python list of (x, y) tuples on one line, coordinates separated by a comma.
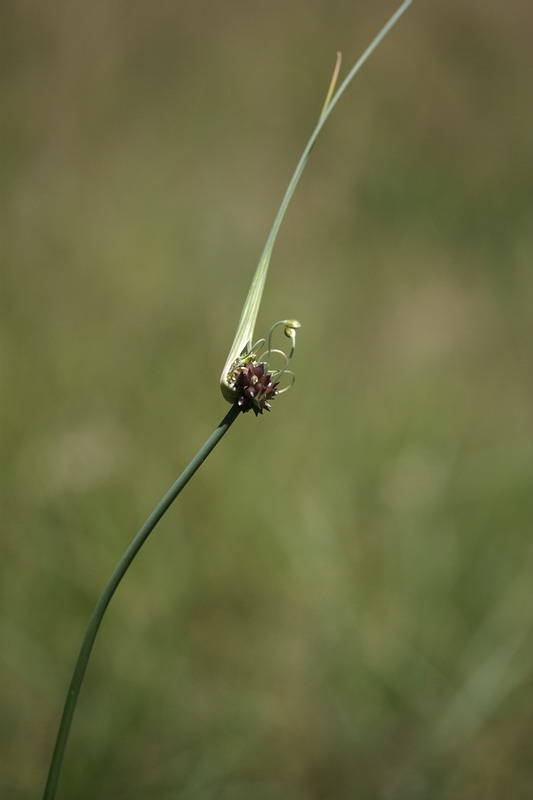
[(255, 387)]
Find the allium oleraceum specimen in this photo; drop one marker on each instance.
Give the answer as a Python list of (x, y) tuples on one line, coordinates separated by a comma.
[(248, 382)]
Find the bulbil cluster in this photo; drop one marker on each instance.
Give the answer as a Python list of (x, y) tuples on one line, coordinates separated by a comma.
[(255, 387)]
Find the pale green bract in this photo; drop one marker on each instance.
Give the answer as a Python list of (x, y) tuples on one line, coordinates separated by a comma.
[(242, 343)]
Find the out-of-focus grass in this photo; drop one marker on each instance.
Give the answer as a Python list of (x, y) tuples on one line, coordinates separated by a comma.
[(339, 605)]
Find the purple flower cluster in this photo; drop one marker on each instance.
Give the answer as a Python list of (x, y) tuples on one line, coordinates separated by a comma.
[(255, 387)]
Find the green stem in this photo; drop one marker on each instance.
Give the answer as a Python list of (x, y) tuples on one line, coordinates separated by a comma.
[(108, 592)]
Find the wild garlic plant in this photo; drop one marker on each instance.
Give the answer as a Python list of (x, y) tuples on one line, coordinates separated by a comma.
[(248, 381)]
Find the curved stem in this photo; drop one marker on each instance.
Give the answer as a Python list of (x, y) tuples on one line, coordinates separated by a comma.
[(109, 590)]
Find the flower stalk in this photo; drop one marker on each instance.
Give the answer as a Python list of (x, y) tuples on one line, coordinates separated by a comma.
[(109, 590)]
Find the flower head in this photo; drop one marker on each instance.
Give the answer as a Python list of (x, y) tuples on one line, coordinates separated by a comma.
[(251, 381), (255, 387)]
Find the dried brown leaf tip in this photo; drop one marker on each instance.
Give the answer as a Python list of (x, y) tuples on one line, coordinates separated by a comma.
[(253, 380)]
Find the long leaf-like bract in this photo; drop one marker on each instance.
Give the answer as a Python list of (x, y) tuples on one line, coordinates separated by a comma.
[(245, 330)]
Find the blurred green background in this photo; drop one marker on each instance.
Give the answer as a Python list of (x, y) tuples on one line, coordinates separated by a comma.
[(339, 605)]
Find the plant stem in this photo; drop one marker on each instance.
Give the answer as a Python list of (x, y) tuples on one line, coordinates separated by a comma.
[(108, 592)]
